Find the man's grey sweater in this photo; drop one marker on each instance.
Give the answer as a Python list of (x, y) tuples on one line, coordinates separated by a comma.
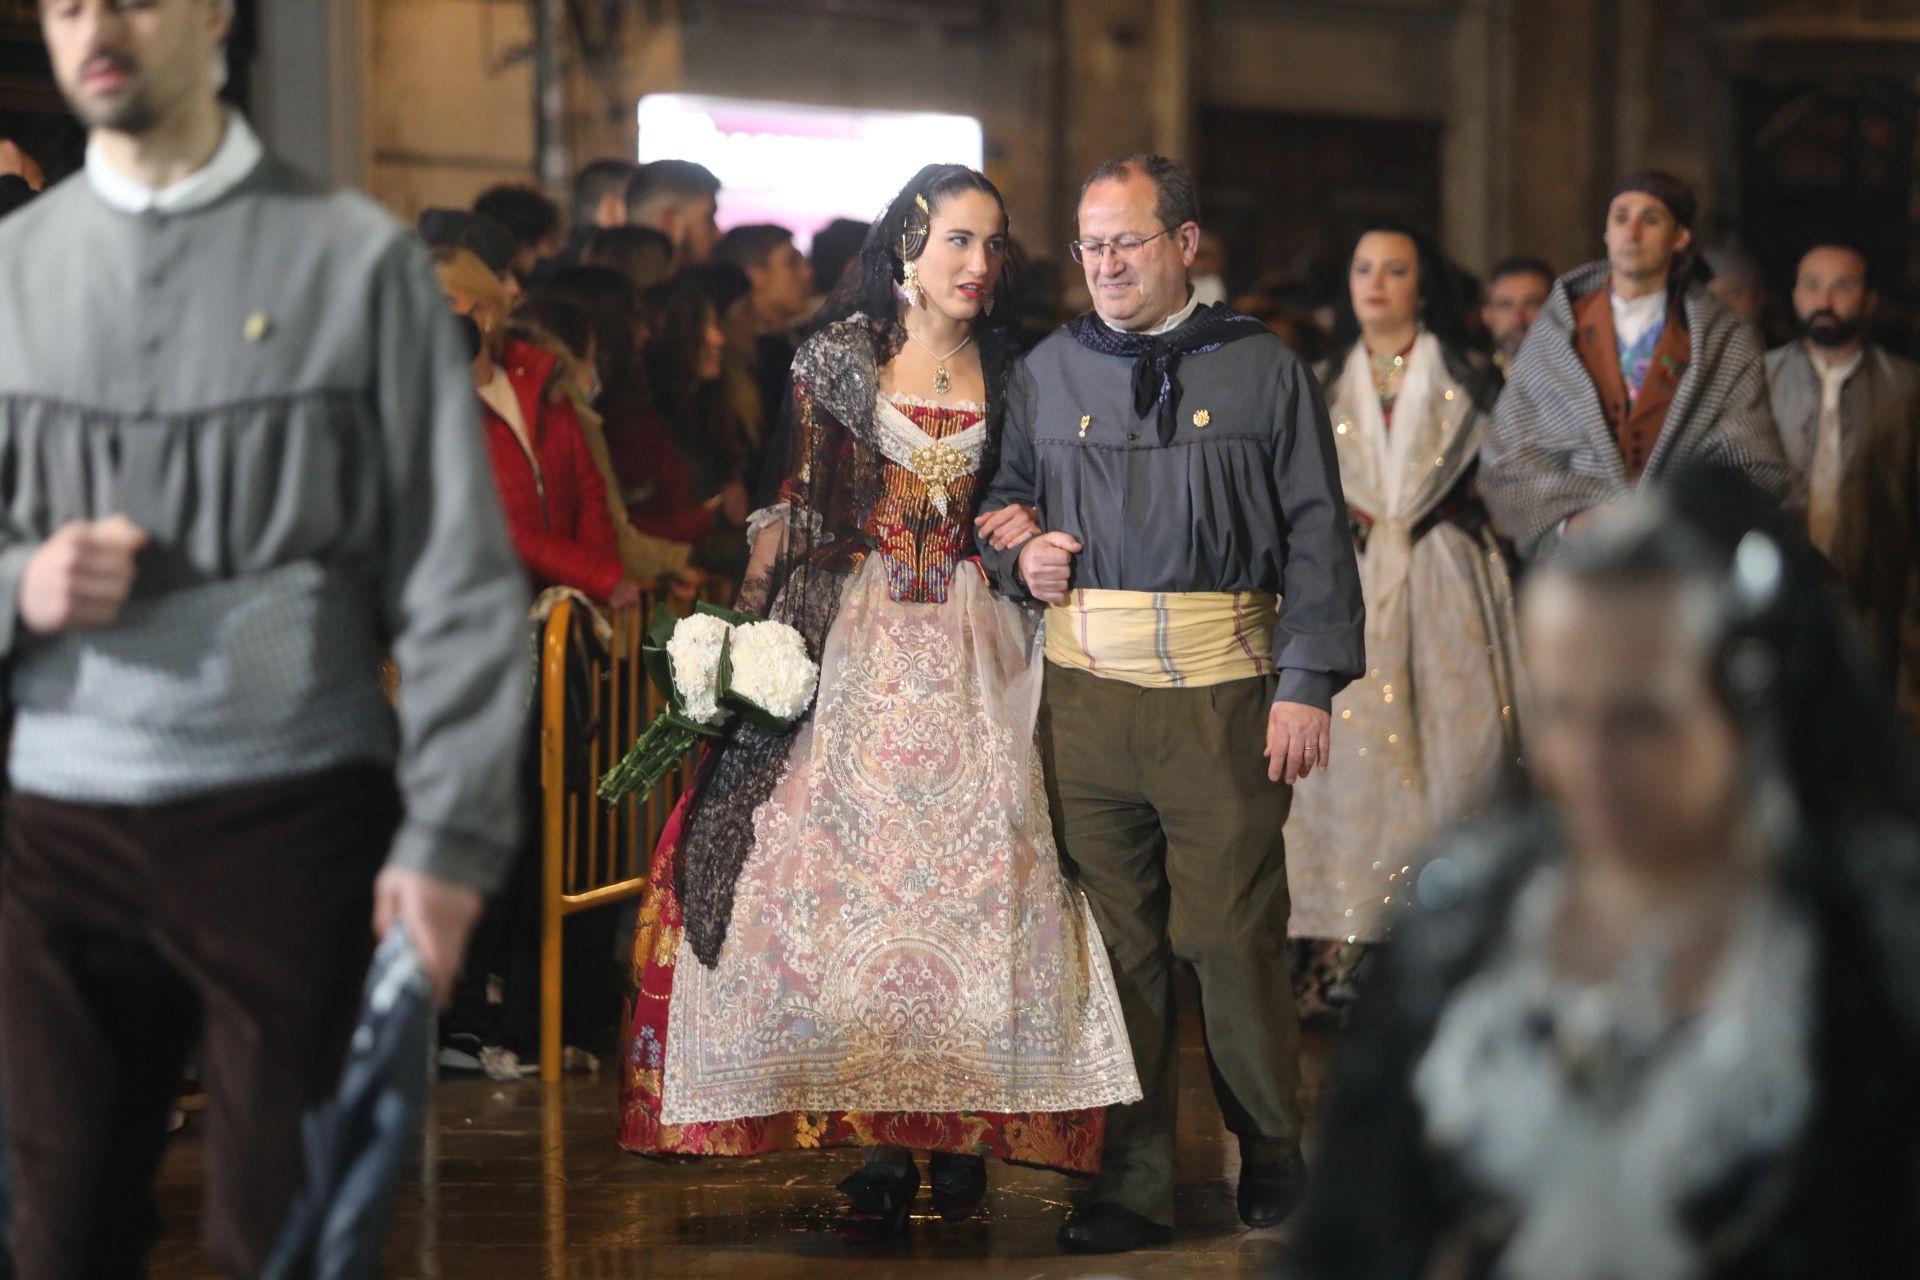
[(269, 385)]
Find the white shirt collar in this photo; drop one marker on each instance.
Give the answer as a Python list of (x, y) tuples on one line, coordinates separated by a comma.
[(1837, 372), (1632, 319), (239, 151), (1173, 321)]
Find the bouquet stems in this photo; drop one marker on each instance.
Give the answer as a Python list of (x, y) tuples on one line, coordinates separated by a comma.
[(658, 753)]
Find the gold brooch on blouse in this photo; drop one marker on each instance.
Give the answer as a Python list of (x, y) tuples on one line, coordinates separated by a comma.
[(938, 464), (1201, 417), (1086, 420)]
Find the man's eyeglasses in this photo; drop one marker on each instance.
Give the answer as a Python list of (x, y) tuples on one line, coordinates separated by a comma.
[(1126, 246)]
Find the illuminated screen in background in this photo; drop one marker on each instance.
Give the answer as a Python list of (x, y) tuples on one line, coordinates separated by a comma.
[(801, 166)]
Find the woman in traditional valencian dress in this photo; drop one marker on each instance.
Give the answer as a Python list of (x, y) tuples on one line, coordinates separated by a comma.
[(1425, 736), (859, 933)]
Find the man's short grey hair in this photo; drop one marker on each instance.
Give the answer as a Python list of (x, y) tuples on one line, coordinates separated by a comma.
[(1175, 201)]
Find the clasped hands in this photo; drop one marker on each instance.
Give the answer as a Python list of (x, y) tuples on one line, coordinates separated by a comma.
[(1299, 737)]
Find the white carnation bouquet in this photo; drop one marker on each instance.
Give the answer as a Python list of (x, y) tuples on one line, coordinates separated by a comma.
[(709, 666)]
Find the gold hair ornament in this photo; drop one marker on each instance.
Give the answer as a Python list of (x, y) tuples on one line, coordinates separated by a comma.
[(913, 242)]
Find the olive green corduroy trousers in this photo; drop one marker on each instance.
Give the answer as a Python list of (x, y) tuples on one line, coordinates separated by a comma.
[(1164, 813)]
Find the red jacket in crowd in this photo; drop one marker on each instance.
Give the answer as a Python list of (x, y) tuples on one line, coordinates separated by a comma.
[(558, 517), (659, 488)]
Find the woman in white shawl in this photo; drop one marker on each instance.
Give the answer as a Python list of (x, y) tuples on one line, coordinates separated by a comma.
[(1430, 730)]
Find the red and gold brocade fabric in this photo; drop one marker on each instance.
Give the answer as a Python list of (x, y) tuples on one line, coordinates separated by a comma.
[(920, 543), (921, 526)]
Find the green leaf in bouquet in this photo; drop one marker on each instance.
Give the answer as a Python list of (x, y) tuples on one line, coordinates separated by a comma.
[(653, 653)]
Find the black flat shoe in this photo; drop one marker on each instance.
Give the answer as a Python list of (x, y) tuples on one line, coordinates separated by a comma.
[(1108, 1228), (879, 1200), (959, 1184), (1271, 1192)]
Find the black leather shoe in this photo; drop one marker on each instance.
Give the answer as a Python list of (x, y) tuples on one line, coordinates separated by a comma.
[(1108, 1228), (880, 1199), (1270, 1192), (959, 1184)]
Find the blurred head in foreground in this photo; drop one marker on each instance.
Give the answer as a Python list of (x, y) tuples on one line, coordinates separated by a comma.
[(1664, 1021)]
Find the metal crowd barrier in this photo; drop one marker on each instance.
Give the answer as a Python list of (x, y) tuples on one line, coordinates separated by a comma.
[(591, 855)]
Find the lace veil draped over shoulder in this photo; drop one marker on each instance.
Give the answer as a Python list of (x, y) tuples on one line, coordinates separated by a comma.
[(806, 548)]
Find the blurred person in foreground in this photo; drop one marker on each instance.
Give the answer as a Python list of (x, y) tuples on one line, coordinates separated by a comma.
[(243, 460), (1665, 1021)]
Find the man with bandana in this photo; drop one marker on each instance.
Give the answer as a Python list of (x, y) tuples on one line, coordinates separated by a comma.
[(1205, 608), (1633, 370), (1849, 418)]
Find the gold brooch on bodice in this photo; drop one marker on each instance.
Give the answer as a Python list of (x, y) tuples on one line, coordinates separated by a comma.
[(939, 465)]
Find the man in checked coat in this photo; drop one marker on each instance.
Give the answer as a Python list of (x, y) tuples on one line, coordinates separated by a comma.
[(1632, 371)]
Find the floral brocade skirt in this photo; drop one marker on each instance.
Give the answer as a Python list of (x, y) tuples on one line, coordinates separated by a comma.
[(1068, 1141), (906, 964)]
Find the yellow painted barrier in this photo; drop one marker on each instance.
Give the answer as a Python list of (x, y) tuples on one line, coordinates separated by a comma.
[(591, 855)]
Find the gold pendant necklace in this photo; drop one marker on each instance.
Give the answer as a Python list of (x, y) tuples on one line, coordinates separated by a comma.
[(1385, 370), (941, 379)]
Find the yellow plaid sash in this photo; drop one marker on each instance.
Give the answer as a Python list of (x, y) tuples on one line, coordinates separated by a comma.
[(1164, 640)]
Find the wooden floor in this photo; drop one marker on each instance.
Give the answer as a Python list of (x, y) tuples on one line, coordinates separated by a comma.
[(522, 1181)]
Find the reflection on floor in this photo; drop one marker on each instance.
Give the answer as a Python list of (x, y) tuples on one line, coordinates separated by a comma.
[(521, 1181)]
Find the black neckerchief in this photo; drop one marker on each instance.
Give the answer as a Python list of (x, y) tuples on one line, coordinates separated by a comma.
[(1156, 356)]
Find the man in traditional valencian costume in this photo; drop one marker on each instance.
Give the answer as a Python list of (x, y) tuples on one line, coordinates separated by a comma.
[(241, 461), (1631, 372), (1205, 609), (1848, 411)]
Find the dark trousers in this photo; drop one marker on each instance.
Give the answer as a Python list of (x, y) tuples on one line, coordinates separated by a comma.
[(242, 922), (1162, 805)]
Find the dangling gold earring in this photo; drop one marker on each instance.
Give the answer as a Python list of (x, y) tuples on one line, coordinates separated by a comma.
[(910, 283), (988, 308)]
